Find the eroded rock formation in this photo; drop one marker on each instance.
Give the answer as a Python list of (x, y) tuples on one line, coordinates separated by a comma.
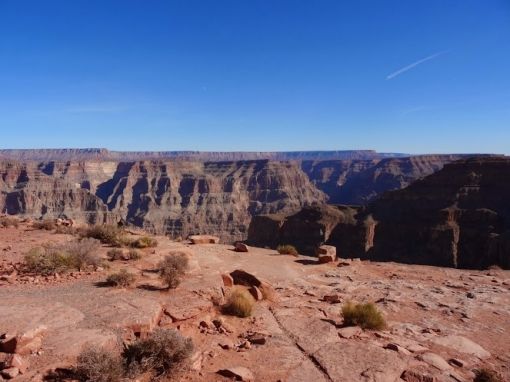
[(457, 217)]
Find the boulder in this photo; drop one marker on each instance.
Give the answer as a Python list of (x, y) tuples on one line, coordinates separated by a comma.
[(24, 343), (326, 254), (10, 373), (256, 293), (204, 239), (14, 361), (417, 376), (240, 247), (237, 373), (228, 281)]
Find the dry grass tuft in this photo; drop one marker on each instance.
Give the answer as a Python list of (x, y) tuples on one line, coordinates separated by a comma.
[(367, 316), (145, 242), (162, 353), (287, 249), (46, 224), (172, 268), (7, 221), (239, 303)]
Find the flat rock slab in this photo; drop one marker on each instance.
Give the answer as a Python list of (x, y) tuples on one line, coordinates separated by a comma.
[(310, 333), (184, 307), (360, 362), (462, 345)]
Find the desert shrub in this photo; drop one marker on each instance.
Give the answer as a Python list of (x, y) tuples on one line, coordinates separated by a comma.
[(50, 258), (98, 365), (162, 352), (287, 249), (65, 229), (133, 254), (122, 279), (46, 224), (115, 254), (172, 268), (7, 221), (145, 242), (364, 315), (239, 303), (106, 234), (486, 375)]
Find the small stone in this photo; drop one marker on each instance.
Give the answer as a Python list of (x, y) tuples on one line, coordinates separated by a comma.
[(397, 348), (238, 373), (350, 332), (456, 362), (417, 376), (470, 295), (332, 299)]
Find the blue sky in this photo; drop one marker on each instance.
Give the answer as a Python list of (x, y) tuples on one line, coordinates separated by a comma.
[(399, 76)]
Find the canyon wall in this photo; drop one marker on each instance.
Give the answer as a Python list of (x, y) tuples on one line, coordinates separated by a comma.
[(180, 197), (173, 197), (457, 217)]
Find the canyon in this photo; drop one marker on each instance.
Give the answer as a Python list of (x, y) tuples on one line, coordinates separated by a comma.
[(183, 193)]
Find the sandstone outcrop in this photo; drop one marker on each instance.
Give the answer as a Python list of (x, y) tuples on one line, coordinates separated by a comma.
[(306, 230)]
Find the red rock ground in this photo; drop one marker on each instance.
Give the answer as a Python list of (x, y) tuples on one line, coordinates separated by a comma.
[(432, 313)]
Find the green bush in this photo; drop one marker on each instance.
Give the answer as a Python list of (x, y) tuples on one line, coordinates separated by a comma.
[(287, 249), (50, 258), (364, 315), (98, 365), (162, 352), (239, 303), (106, 234), (145, 242), (172, 268), (121, 279), (486, 375), (7, 221)]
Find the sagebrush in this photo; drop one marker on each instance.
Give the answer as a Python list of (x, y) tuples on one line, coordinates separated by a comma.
[(51, 258), (98, 365), (172, 268), (122, 279), (106, 234), (164, 351)]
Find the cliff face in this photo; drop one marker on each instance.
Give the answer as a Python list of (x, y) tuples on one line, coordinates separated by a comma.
[(361, 181), (177, 198), (458, 217)]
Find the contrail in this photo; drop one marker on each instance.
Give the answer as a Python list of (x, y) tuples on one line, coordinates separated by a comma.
[(414, 64)]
